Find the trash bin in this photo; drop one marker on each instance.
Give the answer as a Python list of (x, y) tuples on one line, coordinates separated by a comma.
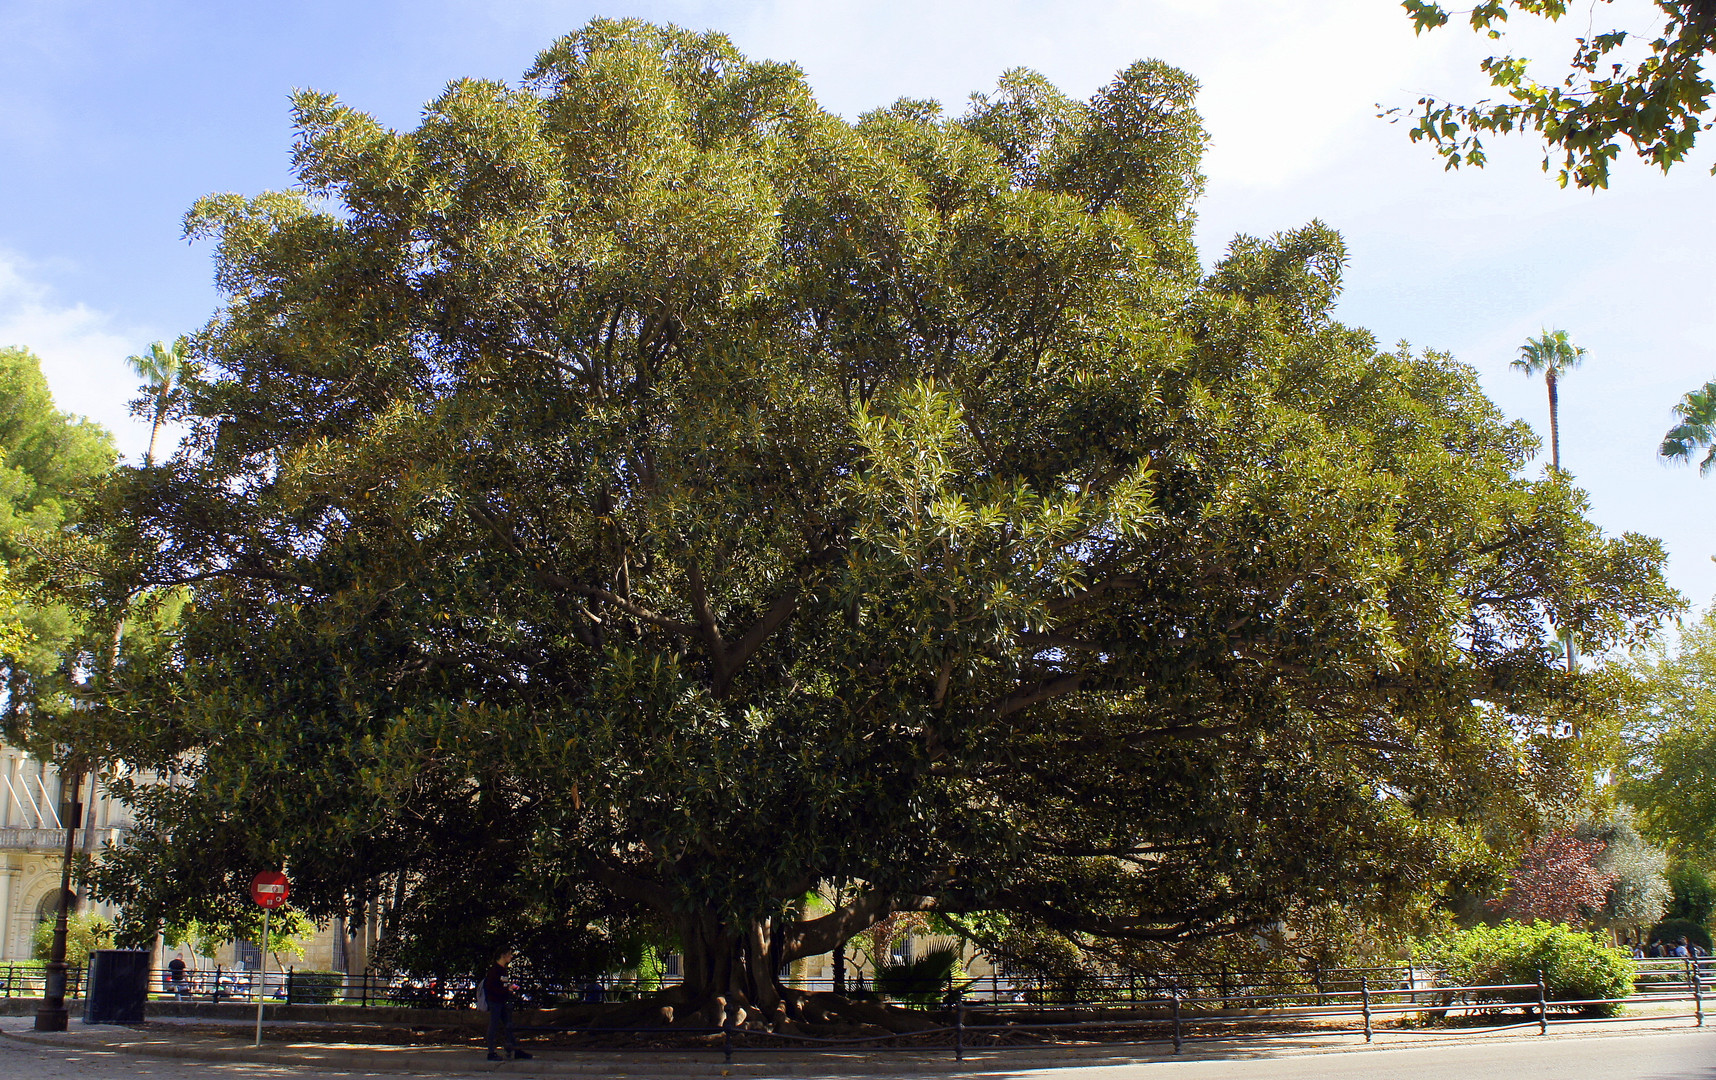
[(118, 986)]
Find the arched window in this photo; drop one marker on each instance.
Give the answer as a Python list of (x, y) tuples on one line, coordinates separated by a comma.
[(47, 909)]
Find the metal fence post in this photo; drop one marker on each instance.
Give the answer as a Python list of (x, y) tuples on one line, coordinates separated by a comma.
[(1364, 998), (1542, 1004), (363, 991), (1225, 986), (1174, 996), (1697, 990), (958, 1026), (215, 997), (727, 1034)]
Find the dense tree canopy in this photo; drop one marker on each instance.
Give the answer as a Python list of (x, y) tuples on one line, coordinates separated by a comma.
[(1560, 878), (1671, 774), (1649, 90), (1640, 891), (638, 494), (49, 461)]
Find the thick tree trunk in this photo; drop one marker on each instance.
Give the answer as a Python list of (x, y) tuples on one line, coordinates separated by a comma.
[(709, 962), (762, 968), (724, 969)]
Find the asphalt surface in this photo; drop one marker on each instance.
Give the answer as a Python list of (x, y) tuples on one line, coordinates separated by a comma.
[(1657, 1055), (1680, 1055)]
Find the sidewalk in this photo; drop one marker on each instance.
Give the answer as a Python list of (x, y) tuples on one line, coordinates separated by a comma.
[(196, 1042)]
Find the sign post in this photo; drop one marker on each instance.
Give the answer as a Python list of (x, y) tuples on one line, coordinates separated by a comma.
[(269, 889)]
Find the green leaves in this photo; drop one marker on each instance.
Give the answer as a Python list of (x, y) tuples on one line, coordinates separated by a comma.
[(50, 464), (1574, 966), (1671, 732), (1654, 103), (1696, 428), (650, 497)]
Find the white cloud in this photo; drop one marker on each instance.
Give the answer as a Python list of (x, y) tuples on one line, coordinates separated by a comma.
[(83, 352)]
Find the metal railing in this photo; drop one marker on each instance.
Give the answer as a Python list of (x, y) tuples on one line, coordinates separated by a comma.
[(1102, 1013), (1009, 1011), (28, 979), (1223, 988), (295, 987), (1000, 1011)]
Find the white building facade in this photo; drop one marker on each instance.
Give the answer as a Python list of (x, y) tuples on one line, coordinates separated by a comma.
[(33, 820)]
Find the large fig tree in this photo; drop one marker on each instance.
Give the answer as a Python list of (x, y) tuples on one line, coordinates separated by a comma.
[(639, 497)]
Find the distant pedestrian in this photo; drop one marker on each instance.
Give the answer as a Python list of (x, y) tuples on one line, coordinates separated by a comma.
[(177, 982), (498, 997)]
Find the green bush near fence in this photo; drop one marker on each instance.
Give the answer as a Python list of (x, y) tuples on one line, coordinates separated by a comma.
[(85, 932), (1576, 966), (315, 987), (923, 981)]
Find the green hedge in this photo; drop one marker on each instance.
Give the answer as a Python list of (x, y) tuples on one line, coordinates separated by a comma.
[(315, 987), (1576, 966)]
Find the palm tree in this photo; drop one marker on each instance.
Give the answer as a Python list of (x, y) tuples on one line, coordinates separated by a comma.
[(1697, 427), (1551, 354), (160, 369)]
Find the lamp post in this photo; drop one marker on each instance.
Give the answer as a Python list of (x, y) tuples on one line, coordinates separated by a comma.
[(52, 1014)]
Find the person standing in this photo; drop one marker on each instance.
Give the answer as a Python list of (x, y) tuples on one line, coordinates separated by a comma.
[(498, 998)]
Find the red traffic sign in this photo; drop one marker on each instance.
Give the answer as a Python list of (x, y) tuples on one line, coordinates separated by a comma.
[(270, 888)]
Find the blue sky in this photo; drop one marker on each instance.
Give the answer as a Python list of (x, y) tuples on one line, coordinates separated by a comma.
[(114, 117)]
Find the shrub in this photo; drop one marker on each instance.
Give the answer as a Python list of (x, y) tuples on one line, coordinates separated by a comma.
[(315, 987), (85, 933), (1672, 930), (1576, 966), (923, 981), (650, 968)]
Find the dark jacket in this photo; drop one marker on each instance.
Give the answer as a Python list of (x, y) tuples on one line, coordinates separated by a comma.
[(495, 988)]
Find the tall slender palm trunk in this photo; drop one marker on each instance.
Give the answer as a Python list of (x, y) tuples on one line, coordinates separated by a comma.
[(1554, 422)]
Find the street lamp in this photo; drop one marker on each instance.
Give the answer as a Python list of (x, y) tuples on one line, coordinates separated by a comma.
[(52, 1014)]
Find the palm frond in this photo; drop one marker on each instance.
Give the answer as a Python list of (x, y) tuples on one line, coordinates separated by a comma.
[(1697, 428)]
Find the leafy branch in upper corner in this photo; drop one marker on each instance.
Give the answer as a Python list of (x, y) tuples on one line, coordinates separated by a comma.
[(1654, 102)]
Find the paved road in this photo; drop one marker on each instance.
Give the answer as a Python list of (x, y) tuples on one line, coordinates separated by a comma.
[(1676, 1055)]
